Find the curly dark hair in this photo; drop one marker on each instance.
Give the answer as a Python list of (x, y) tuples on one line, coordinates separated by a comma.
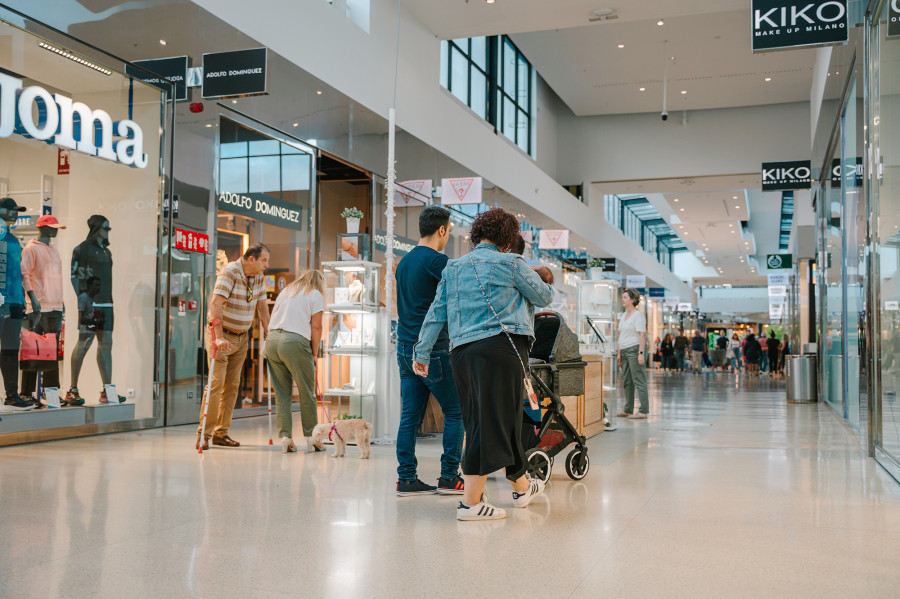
[(497, 226)]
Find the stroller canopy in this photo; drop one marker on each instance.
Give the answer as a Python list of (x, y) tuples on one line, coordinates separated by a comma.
[(554, 341)]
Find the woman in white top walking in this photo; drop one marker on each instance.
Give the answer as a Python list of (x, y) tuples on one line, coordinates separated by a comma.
[(295, 330), (632, 343)]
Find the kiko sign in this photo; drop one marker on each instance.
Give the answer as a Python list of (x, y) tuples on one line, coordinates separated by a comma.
[(55, 119), (798, 23), (785, 176)]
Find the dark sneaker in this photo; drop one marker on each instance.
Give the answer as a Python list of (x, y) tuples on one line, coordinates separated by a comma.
[(73, 398), (104, 399), (31, 399), (480, 511), (416, 487), (14, 403), (451, 486)]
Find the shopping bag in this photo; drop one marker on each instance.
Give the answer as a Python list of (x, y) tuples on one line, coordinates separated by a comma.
[(38, 352)]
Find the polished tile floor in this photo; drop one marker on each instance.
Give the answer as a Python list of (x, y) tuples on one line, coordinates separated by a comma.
[(725, 492)]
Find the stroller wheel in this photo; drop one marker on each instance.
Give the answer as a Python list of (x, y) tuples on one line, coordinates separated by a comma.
[(539, 464), (574, 468)]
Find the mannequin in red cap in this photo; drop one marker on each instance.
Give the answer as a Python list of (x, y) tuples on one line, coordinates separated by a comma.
[(42, 280)]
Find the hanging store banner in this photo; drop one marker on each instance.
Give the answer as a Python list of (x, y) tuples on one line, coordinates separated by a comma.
[(853, 166), (779, 279), (191, 241), (785, 176), (613, 276), (528, 236), (671, 302), (237, 73), (779, 261), (776, 311), (609, 264), (784, 24), (636, 281), (554, 239), (263, 208), (162, 72), (893, 29), (684, 307), (415, 193), (657, 292), (465, 190)]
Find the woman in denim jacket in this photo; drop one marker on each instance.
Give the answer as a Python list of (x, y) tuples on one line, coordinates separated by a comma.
[(487, 298)]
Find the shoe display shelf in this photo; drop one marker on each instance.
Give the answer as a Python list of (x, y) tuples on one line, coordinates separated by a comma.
[(45, 418)]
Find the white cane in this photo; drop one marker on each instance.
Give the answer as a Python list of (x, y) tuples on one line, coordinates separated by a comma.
[(269, 370), (212, 330)]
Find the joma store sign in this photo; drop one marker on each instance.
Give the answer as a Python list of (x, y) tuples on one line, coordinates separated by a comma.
[(780, 24)]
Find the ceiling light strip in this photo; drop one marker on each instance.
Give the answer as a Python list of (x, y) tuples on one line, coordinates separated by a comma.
[(66, 54)]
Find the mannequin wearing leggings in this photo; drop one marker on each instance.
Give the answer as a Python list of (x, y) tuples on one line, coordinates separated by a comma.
[(13, 309)]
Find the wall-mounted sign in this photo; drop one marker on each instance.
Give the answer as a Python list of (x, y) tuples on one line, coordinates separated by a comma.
[(893, 19), (554, 239), (684, 307), (776, 311), (62, 162), (413, 193), (779, 279), (162, 72), (402, 245), (466, 190), (784, 176), (853, 166), (191, 241), (192, 305), (892, 305), (264, 208), (636, 281), (609, 264), (777, 291), (528, 236), (36, 113), (671, 302), (657, 292), (236, 73), (777, 24), (779, 261)]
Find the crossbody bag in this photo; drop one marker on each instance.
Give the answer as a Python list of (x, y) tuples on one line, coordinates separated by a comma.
[(529, 388)]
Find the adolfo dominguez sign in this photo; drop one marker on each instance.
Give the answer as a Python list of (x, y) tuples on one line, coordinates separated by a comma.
[(264, 208), (777, 24)]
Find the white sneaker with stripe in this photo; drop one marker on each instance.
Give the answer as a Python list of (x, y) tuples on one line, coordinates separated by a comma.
[(535, 488), (480, 511)]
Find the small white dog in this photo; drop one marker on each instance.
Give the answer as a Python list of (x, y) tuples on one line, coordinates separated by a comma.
[(343, 432)]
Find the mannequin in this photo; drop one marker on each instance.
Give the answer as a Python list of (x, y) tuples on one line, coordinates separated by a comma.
[(92, 258), (13, 309), (42, 280)]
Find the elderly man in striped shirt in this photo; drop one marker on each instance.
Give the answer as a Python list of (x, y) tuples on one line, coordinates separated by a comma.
[(239, 293)]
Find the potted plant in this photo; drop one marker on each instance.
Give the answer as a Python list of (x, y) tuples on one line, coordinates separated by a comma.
[(352, 215), (595, 269)]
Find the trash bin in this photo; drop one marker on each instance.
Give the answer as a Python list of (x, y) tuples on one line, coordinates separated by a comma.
[(800, 373)]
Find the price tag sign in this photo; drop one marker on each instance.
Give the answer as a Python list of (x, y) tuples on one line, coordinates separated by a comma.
[(52, 396), (111, 396)]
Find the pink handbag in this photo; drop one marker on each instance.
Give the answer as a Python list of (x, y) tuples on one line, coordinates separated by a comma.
[(38, 352)]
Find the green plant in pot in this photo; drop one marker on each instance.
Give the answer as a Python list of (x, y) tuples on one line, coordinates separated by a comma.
[(595, 269), (353, 215)]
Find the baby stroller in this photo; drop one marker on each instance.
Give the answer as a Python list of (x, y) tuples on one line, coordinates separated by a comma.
[(556, 369)]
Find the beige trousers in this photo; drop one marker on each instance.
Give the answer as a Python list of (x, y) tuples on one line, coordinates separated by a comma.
[(224, 383)]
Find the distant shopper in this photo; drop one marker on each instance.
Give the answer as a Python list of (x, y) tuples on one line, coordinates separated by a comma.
[(680, 346), (785, 351), (734, 347), (418, 276), (668, 353), (295, 331), (773, 348), (632, 341), (487, 298), (752, 350), (240, 292), (763, 353), (657, 353), (698, 346)]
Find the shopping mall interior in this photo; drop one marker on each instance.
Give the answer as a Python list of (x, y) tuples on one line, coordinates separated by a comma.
[(718, 173)]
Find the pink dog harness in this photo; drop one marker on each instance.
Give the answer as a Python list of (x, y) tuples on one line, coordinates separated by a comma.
[(333, 428)]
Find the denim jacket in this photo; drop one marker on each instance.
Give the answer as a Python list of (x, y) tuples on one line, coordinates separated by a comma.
[(513, 288)]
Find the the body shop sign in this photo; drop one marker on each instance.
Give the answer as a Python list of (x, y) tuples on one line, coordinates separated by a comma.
[(777, 24), (57, 119), (263, 208)]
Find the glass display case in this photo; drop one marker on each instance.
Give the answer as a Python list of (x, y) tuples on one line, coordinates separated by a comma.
[(598, 306), (349, 378)]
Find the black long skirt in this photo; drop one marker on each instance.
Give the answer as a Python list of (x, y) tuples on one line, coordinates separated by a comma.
[(491, 388)]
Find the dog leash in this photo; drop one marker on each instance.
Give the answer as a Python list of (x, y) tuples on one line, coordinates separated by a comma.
[(322, 402)]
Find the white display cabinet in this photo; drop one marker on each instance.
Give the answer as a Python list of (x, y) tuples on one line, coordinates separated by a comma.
[(349, 379), (598, 306)]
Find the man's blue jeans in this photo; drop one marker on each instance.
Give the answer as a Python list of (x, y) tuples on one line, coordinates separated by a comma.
[(679, 359), (763, 361), (414, 391)]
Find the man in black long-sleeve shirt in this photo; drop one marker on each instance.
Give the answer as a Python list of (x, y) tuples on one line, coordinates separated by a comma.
[(681, 343)]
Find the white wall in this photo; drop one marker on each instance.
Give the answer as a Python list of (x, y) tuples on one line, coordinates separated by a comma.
[(738, 300)]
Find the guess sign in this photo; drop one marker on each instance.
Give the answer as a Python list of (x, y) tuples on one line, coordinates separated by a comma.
[(190, 241)]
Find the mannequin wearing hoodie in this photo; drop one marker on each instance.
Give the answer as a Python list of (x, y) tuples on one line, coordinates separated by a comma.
[(42, 280), (92, 258), (13, 309)]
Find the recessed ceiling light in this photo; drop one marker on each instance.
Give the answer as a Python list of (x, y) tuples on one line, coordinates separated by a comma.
[(734, 197), (234, 101), (319, 92), (682, 209), (768, 79), (738, 207), (209, 125), (676, 199), (684, 91), (162, 42), (296, 124), (489, 1), (660, 22), (642, 89), (621, 46), (730, 224)]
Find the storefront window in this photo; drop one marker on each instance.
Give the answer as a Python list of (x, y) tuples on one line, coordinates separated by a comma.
[(80, 233)]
